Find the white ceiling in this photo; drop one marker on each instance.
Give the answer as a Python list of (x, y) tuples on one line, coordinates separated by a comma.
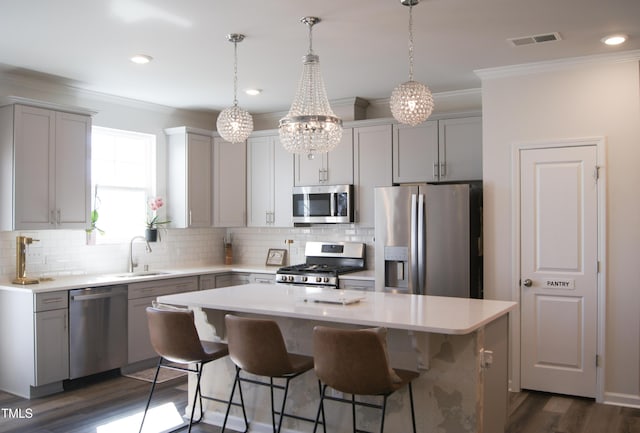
[(362, 44)]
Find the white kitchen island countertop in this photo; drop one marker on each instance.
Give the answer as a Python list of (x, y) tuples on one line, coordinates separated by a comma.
[(436, 314)]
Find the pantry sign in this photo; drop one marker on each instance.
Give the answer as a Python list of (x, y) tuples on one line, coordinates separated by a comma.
[(559, 283)]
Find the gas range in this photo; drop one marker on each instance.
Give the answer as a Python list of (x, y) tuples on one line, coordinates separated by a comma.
[(324, 262)]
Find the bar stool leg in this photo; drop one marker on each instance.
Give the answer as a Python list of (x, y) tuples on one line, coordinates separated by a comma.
[(353, 412), (321, 408), (236, 381), (153, 386), (413, 414), (273, 409), (384, 411), (195, 398), (324, 420), (284, 401)]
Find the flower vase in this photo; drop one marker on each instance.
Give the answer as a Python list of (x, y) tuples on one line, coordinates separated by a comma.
[(151, 234), (91, 237)]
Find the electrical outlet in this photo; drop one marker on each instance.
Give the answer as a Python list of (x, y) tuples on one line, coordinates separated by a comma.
[(34, 257), (486, 358)]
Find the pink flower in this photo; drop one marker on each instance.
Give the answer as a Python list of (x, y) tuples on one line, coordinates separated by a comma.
[(155, 203)]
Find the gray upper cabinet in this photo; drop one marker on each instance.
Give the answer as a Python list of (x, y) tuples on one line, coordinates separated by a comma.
[(438, 151), (269, 182), (415, 152), (45, 168), (189, 184), (460, 148), (229, 183), (331, 168), (372, 168)]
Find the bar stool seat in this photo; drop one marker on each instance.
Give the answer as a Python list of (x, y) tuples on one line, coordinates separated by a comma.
[(175, 339), (356, 362), (256, 346)]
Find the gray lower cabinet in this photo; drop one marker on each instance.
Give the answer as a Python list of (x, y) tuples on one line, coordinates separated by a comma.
[(215, 281), (356, 284), (262, 278), (51, 319), (207, 281), (34, 346), (231, 279), (141, 295)]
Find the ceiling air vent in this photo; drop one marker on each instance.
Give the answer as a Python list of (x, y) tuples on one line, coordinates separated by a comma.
[(535, 39)]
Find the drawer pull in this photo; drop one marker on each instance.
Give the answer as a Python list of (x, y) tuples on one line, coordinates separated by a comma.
[(52, 300)]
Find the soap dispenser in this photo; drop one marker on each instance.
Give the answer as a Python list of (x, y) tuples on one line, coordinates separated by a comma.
[(21, 262)]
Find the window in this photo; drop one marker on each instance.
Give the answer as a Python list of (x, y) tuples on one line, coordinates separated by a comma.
[(122, 178)]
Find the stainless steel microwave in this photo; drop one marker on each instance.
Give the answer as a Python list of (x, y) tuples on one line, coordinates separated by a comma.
[(323, 204)]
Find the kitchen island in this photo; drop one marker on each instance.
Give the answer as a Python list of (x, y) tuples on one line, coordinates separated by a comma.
[(459, 346)]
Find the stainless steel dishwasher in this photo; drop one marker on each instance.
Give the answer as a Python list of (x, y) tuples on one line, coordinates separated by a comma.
[(97, 330)]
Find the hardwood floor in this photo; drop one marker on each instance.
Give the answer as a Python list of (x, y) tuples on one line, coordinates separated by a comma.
[(85, 406), (537, 412)]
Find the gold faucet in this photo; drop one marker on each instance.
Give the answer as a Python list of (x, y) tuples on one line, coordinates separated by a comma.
[(21, 262)]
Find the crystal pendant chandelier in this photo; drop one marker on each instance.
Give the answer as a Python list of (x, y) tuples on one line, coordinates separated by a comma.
[(411, 102), (235, 124), (310, 127)]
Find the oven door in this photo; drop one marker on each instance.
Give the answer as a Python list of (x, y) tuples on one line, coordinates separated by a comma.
[(323, 204)]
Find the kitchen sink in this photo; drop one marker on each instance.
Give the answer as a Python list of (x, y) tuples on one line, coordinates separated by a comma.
[(142, 274)]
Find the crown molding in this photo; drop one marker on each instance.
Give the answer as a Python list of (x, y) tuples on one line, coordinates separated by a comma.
[(556, 65)]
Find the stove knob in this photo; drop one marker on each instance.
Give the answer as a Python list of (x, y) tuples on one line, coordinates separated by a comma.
[(318, 279), (326, 279), (304, 279), (283, 278), (291, 277)]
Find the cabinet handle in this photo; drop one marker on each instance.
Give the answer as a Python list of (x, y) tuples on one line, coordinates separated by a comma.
[(435, 170), (64, 319), (58, 216), (190, 219), (52, 217), (443, 169), (52, 300), (319, 175)]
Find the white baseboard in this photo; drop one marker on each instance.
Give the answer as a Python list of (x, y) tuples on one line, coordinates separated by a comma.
[(618, 399)]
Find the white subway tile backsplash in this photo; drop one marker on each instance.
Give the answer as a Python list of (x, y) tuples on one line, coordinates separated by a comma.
[(64, 252)]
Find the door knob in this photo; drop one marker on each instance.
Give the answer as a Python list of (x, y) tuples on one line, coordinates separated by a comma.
[(527, 283)]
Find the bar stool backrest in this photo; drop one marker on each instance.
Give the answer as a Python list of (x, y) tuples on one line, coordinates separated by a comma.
[(352, 361), (174, 335), (257, 346)]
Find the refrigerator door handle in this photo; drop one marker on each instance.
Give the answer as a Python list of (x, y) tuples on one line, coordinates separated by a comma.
[(421, 241), (413, 282)]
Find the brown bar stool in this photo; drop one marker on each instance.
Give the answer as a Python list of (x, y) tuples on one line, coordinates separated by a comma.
[(257, 347), (175, 338), (356, 362)]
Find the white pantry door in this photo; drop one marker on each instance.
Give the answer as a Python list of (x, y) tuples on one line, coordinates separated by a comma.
[(558, 278)]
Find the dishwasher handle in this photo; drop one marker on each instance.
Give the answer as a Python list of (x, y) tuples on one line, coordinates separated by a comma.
[(91, 297), (99, 293)]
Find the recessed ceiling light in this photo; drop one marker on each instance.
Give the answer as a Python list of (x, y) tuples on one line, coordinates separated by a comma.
[(141, 59), (253, 92), (614, 39)]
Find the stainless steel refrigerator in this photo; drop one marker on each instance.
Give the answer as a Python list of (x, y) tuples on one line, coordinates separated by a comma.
[(428, 239)]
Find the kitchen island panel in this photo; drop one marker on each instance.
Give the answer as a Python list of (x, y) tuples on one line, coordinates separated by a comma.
[(453, 394)]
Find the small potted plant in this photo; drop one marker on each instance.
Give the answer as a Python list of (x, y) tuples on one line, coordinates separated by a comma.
[(151, 233), (93, 227)]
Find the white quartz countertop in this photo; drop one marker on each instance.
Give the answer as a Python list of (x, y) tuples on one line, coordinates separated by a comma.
[(82, 281), (442, 315)]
